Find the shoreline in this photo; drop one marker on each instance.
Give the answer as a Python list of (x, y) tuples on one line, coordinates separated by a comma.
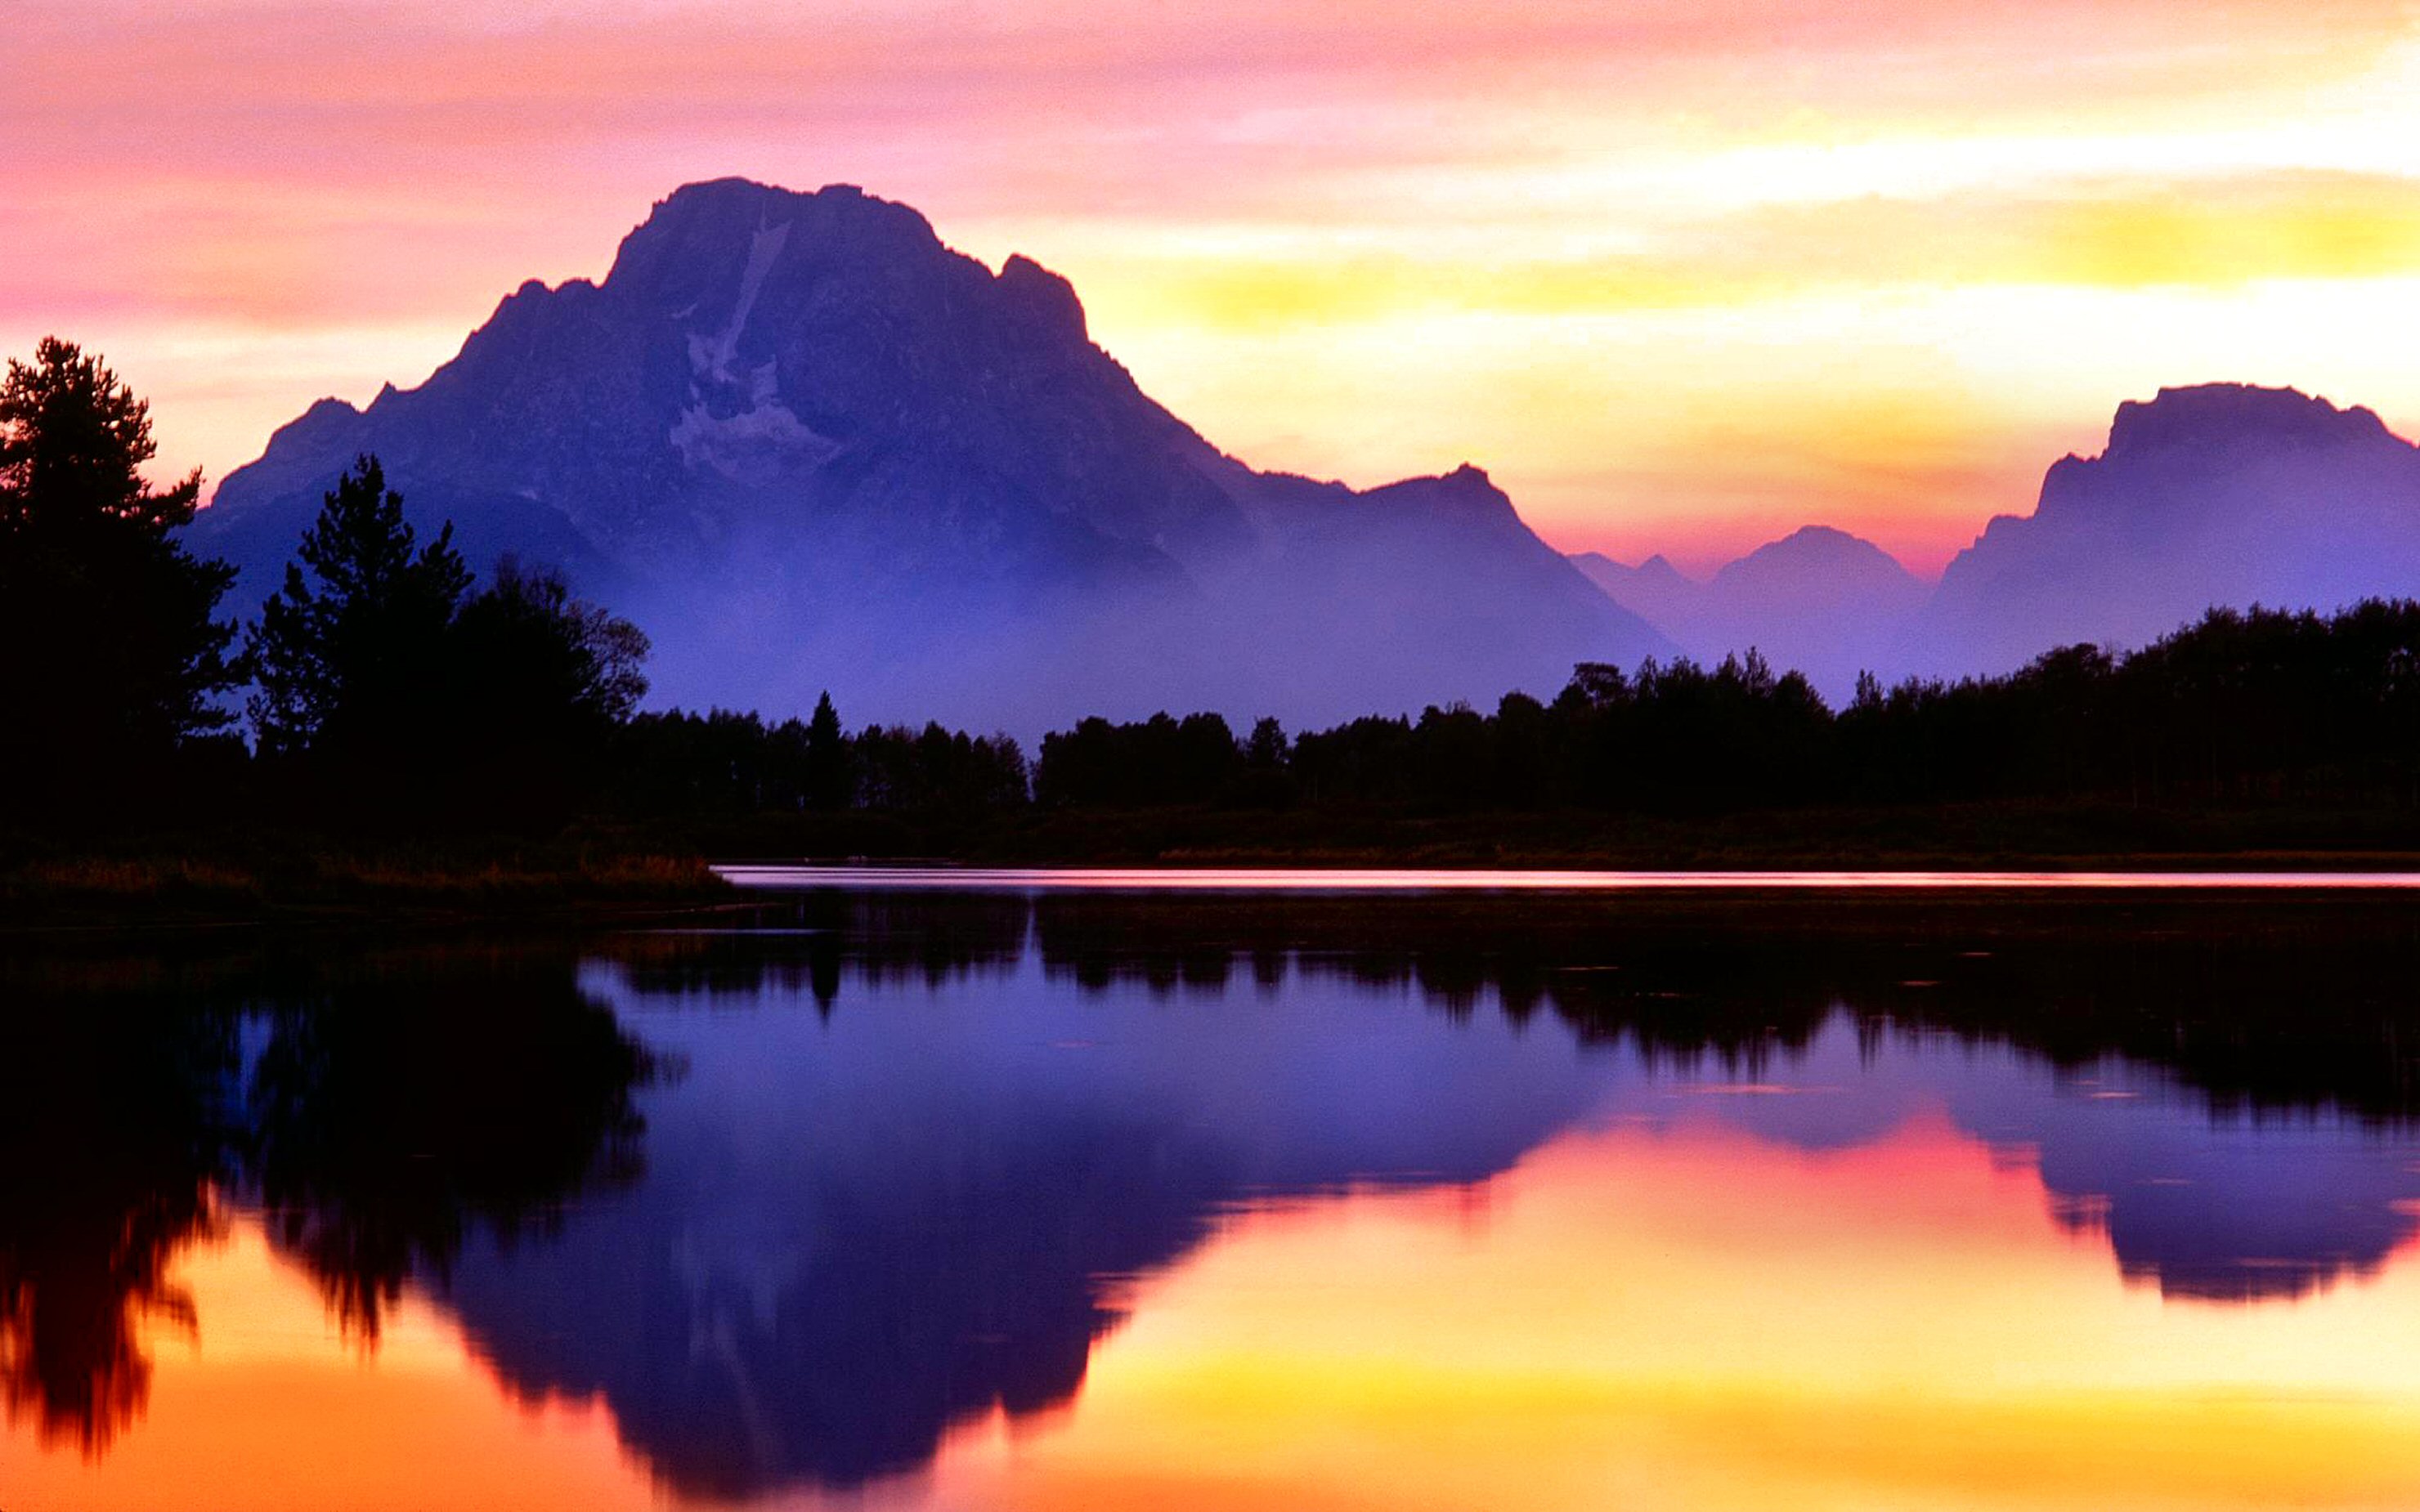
[(601, 873), (98, 894)]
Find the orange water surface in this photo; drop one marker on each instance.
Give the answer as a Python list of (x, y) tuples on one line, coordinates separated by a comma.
[(1681, 1317)]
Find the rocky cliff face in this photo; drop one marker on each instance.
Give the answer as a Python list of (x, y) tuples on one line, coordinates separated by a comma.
[(806, 446)]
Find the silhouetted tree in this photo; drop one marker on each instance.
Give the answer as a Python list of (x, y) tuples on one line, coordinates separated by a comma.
[(721, 764), (1264, 749), (538, 682), (1162, 759), (391, 1117), (938, 770), (725, 764), (351, 655), (109, 658), (112, 1137), (830, 782), (1266, 780), (2254, 706)]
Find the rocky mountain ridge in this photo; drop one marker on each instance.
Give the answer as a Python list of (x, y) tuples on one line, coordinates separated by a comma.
[(806, 446)]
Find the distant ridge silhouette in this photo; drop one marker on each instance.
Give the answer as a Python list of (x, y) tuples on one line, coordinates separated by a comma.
[(1821, 600), (807, 446), (2219, 494), (2223, 494)]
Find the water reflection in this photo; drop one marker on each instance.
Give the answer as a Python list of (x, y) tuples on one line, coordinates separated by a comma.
[(855, 1237), (805, 1198), (111, 1137), (391, 1115), (377, 1113)]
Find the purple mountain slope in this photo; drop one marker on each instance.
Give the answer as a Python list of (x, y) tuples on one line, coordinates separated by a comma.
[(806, 445), (2223, 494), (1654, 590)]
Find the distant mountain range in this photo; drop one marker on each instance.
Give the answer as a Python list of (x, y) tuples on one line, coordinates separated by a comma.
[(1821, 600), (2221, 494), (807, 446)]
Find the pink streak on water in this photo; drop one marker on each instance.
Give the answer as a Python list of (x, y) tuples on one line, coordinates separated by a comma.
[(1248, 879)]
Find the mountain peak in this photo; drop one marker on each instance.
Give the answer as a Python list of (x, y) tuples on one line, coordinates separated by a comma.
[(1045, 296), (2219, 494), (1466, 493), (726, 198), (1818, 537), (702, 224), (2224, 414), (1613, 576), (812, 448), (1815, 549)]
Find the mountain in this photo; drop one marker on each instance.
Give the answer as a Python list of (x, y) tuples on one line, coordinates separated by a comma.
[(2223, 494), (1819, 600), (806, 445), (1654, 590), (2219, 494)]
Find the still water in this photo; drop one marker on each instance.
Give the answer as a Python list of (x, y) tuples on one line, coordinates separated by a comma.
[(1074, 1198)]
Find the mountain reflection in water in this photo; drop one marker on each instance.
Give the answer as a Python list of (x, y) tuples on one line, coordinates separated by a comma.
[(798, 1199)]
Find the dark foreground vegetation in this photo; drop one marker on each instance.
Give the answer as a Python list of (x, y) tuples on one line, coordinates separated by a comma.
[(392, 730)]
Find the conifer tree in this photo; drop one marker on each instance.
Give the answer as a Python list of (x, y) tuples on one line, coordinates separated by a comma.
[(351, 655), (830, 784), (110, 658)]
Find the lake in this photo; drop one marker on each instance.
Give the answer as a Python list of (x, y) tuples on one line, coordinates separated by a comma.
[(972, 1192)]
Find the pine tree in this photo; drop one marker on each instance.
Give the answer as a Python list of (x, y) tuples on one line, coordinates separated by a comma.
[(830, 782), (351, 655), (110, 660)]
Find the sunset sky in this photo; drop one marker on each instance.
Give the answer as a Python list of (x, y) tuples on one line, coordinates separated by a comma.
[(1681, 275)]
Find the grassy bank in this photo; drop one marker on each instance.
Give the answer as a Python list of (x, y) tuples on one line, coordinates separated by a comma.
[(256, 883)]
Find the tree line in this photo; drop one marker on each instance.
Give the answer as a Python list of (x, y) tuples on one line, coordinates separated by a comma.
[(384, 686), (2257, 706), (2244, 706)]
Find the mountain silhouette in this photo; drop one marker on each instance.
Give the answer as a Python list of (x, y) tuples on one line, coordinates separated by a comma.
[(2220, 495), (1654, 590), (2223, 494), (1821, 600), (806, 446)]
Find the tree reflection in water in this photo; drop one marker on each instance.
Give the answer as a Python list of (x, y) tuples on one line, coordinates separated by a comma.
[(112, 1140), (380, 1111)]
